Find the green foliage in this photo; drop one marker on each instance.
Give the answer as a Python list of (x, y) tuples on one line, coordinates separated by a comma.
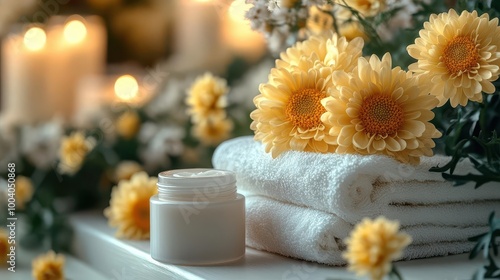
[(472, 133), (487, 246)]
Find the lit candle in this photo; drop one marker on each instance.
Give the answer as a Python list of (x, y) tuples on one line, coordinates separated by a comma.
[(127, 89), (24, 97), (77, 47), (238, 34), (198, 42)]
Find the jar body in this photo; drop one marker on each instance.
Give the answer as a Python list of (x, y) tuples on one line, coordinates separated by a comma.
[(199, 232)]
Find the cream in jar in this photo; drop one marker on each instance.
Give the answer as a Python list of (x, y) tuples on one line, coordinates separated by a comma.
[(197, 217)]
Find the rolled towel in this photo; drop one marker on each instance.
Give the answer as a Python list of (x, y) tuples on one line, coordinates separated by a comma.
[(314, 235), (356, 186)]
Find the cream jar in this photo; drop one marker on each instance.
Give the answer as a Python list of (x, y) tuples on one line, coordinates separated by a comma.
[(197, 217)]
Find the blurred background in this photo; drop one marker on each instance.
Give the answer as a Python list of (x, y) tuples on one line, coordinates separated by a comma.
[(94, 91)]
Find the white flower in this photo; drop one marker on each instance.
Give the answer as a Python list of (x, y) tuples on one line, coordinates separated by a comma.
[(158, 144), (258, 14), (40, 144), (170, 100), (279, 39), (403, 19)]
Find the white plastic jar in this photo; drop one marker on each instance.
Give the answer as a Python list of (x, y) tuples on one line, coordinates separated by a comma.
[(197, 218)]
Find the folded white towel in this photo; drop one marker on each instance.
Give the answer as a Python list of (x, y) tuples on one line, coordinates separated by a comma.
[(314, 235), (355, 186)]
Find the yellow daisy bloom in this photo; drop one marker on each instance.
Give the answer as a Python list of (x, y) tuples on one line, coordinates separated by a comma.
[(288, 114), (459, 56), (74, 149), (24, 191), (207, 97), (49, 266), (367, 8), (126, 169), (4, 246), (333, 52), (353, 29), (128, 124), (373, 245), (213, 130), (380, 110), (128, 209)]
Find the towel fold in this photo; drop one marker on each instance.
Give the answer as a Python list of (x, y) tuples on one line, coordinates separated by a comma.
[(356, 186), (314, 235)]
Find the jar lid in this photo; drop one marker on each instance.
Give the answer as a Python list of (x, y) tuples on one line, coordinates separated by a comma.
[(183, 184), (195, 176)]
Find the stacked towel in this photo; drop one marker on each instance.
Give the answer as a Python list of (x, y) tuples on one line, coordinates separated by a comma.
[(303, 204)]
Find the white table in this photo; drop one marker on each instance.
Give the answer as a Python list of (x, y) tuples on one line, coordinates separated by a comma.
[(95, 244), (74, 269)]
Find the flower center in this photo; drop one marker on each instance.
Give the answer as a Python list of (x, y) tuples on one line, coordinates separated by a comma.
[(304, 108), (381, 115), (460, 55), (140, 214)]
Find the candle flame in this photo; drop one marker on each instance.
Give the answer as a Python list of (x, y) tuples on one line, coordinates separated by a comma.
[(126, 88), (238, 9), (75, 31), (35, 38)]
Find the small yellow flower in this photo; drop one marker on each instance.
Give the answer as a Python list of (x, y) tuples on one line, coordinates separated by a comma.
[(353, 29), (128, 209), (207, 98), (328, 52), (320, 20), (24, 191), (458, 56), (49, 266), (126, 169), (367, 8), (4, 247), (213, 130), (128, 124), (74, 149), (378, 109), (373, 245)]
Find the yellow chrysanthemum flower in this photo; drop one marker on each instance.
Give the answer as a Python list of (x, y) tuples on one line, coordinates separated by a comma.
[(288, 114), (126, 169), (128, 124), (128, 209), (373, 245), (458, 56), (353, 29), (320, 20), (330, 53), (4, 247), (367, 8), (213, 130), (380, 110), (74, 149), (49, 266), (207, 97), (24, 191)]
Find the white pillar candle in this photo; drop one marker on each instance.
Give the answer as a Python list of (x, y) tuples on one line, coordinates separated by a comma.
[(77, 50), (239, 36), (198, 24), (24, 97)]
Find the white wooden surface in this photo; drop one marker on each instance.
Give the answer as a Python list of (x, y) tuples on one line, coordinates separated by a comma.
[(95, 244), (74, 268)]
